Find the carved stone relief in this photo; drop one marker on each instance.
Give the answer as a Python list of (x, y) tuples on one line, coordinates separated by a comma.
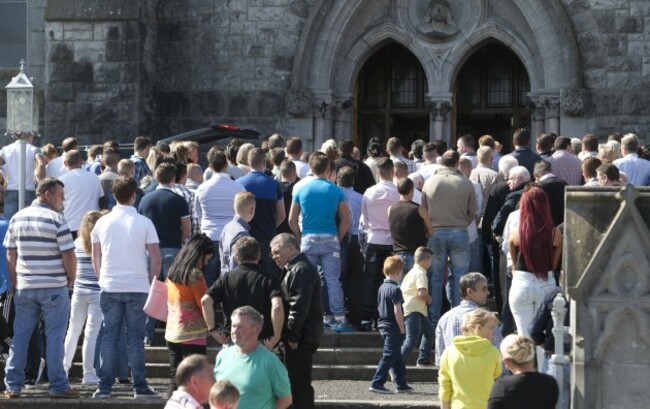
[(574, 101), (443, 20), (299, 102)]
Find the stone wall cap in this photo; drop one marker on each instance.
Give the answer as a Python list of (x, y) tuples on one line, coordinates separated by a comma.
[(91, 10)]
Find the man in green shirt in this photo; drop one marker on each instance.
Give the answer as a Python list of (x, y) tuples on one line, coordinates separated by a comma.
[(259, 375)]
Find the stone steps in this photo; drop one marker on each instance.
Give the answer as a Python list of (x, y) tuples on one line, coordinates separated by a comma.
[(324, 356), (354, 372)]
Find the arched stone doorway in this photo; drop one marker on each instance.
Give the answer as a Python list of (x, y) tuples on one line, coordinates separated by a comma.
[(391, 90), (491, 94), (340, 36)]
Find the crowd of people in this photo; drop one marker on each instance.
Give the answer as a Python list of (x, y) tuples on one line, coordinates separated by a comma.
[(268, 247)]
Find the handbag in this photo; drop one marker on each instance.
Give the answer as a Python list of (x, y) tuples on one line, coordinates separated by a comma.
[(156, 305)]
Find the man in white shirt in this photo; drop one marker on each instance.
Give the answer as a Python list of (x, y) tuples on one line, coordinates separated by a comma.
[(83, 191), (213, 206), (636, 169), (10, 160), (374, 222), (121, 241), (294, 152), (56, 167)]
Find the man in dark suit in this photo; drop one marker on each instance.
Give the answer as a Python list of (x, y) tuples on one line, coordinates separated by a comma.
[(304, 324), (554, 188), (524, 155)]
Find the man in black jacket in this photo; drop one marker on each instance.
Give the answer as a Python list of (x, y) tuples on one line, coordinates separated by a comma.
[(304, 326), (554, 188), (363, 177)]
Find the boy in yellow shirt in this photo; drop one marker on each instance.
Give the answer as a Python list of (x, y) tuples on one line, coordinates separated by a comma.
[(416, 299)]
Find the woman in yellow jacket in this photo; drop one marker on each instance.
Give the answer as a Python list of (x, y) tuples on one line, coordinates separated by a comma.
[(470, 365)]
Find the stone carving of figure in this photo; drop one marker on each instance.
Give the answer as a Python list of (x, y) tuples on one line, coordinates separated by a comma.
[(438, 21)]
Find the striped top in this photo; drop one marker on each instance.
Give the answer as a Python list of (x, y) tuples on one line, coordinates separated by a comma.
[(86, 282), (40, 235)]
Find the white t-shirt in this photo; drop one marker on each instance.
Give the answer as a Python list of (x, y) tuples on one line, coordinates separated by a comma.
[(302, 167), (55, 168), (82, 192), (11, 155), (123, 235)]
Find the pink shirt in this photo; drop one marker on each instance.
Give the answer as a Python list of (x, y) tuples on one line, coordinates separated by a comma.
[(374, 211)]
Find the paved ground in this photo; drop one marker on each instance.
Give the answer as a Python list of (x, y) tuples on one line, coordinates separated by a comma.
[(326, 391)]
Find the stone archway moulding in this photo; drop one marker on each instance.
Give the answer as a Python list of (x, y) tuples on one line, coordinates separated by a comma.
[(336, 43)]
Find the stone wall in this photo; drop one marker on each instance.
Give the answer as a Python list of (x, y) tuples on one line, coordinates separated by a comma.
[(614, 42), (225, 61), (96, 73)]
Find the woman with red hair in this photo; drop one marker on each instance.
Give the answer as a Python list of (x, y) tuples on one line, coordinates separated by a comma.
[(535, 249)]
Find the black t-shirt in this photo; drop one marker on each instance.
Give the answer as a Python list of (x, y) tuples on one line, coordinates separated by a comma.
[(246, 284), (528, 390), (165, 209)]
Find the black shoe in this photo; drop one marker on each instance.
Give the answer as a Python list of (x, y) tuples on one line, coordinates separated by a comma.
[(125, 381)]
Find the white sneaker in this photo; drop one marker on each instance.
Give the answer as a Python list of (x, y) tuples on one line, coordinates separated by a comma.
[(90, 379)]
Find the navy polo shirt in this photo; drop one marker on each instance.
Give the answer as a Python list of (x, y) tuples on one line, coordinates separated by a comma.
[(267, 193), (165, 209), (388, 295)]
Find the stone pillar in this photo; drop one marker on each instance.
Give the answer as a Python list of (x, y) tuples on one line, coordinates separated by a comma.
[(552, 112), (342, 116), (323, 115), (538, 114), (607, 280), (440, 128)]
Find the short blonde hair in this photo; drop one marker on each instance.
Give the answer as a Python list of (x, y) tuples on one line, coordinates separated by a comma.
[(393, 265), (475, 319), (243, 200), (518, 348), (125, 167), (223, 392)]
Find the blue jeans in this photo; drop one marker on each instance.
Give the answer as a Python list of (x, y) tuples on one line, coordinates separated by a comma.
[(121, 357), (117, 308), (212, 270), (167, 256), (452, 243), (324, 250), (11, 201), (416, 326), (53, 305), (391, 358), (408, 260)]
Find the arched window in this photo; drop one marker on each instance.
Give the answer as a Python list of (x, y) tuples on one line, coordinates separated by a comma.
[(391, 89), (491, 90)]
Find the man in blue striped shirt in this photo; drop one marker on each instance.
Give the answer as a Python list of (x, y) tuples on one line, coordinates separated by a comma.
[(474, 291), (41, 263)]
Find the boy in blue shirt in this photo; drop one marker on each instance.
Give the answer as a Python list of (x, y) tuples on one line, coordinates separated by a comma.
[(391, 328)]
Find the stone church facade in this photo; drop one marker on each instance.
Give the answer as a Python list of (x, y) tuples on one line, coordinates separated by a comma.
[(337, 68)]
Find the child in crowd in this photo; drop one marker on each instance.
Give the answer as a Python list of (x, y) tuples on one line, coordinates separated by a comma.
[(391, 328), (469, 367), (223, 395), (416, 299), (235, 229)]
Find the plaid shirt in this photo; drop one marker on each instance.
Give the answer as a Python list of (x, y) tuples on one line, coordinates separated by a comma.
[(140, 167), (182, 190), (449, 327)]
